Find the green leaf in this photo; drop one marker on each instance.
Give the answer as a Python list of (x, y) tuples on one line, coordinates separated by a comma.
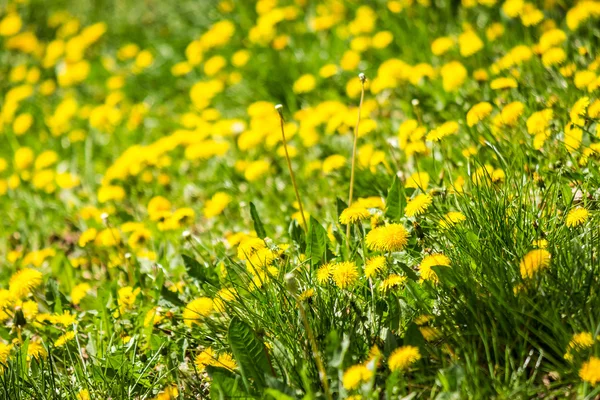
[(444, 274), (410, 274), (395, 201), (225, 384), (277, 395), (198, 271), (317, 242), (171, 297), (258, 226), (341, 206), (250, 353), (413, 336)]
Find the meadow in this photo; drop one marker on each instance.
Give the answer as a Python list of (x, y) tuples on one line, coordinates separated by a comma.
[(296, 199)]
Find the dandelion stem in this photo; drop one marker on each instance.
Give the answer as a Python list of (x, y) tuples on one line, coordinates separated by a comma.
[(279, 109), (362, 78), (315, 350)]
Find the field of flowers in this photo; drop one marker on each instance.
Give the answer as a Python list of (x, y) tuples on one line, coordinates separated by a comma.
[(296, 199)]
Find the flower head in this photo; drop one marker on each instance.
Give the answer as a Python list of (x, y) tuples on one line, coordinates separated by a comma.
[(24, 281), (577, 216), (432, 260), (533, 262), (353, 214), (355, 375), (590, 370), (392, 237), (403, 357), (374, 265), (196, 309), (345, 274), (418, 205)]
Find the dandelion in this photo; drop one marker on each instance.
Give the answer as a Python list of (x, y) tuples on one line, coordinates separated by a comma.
[(306, 294), (354, 214), (582, 340), (533, 262), (590, 371), (554, 56), (126, 298), (392, 237), (345, 274), (63, 339), (403, 357), (511, 113), (432, 260), (78, 292), (446, 129), (478, 113), (374, 266), (451, 219), (579, 110), (216, 204), (196, 309), (306, 83), (23, 282), (577, 216), (418, 180), (469, 43), (503, 83), (355, 375), (391, 282), (87, 236), (324, 273), (418, 205), (36, 350)]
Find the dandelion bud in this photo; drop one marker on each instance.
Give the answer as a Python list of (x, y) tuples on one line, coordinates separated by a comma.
[(362, 77)]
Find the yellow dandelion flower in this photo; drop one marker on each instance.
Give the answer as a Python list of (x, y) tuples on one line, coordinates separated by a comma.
[(353, 214), (355, 375), (590, 370), (345, 274), (511, 113), (430, 333), (577, 216), (79, 292), (451, 219), (478, 113), (307, 294), (503, 83), (579, 110), (418, 205), (582, 340), (533, 262), (216, 204), (226, 361), (196, 309), (403, 357), (87, 236), (36, 350), (391, 282), (23, 282), (204, 358), (392, 237), (324, 273), (432, 260), (418, 180), (63, 339), (374, 266)]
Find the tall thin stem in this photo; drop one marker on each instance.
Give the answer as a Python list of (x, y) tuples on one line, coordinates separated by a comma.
[(362, 78), (279, 109)]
